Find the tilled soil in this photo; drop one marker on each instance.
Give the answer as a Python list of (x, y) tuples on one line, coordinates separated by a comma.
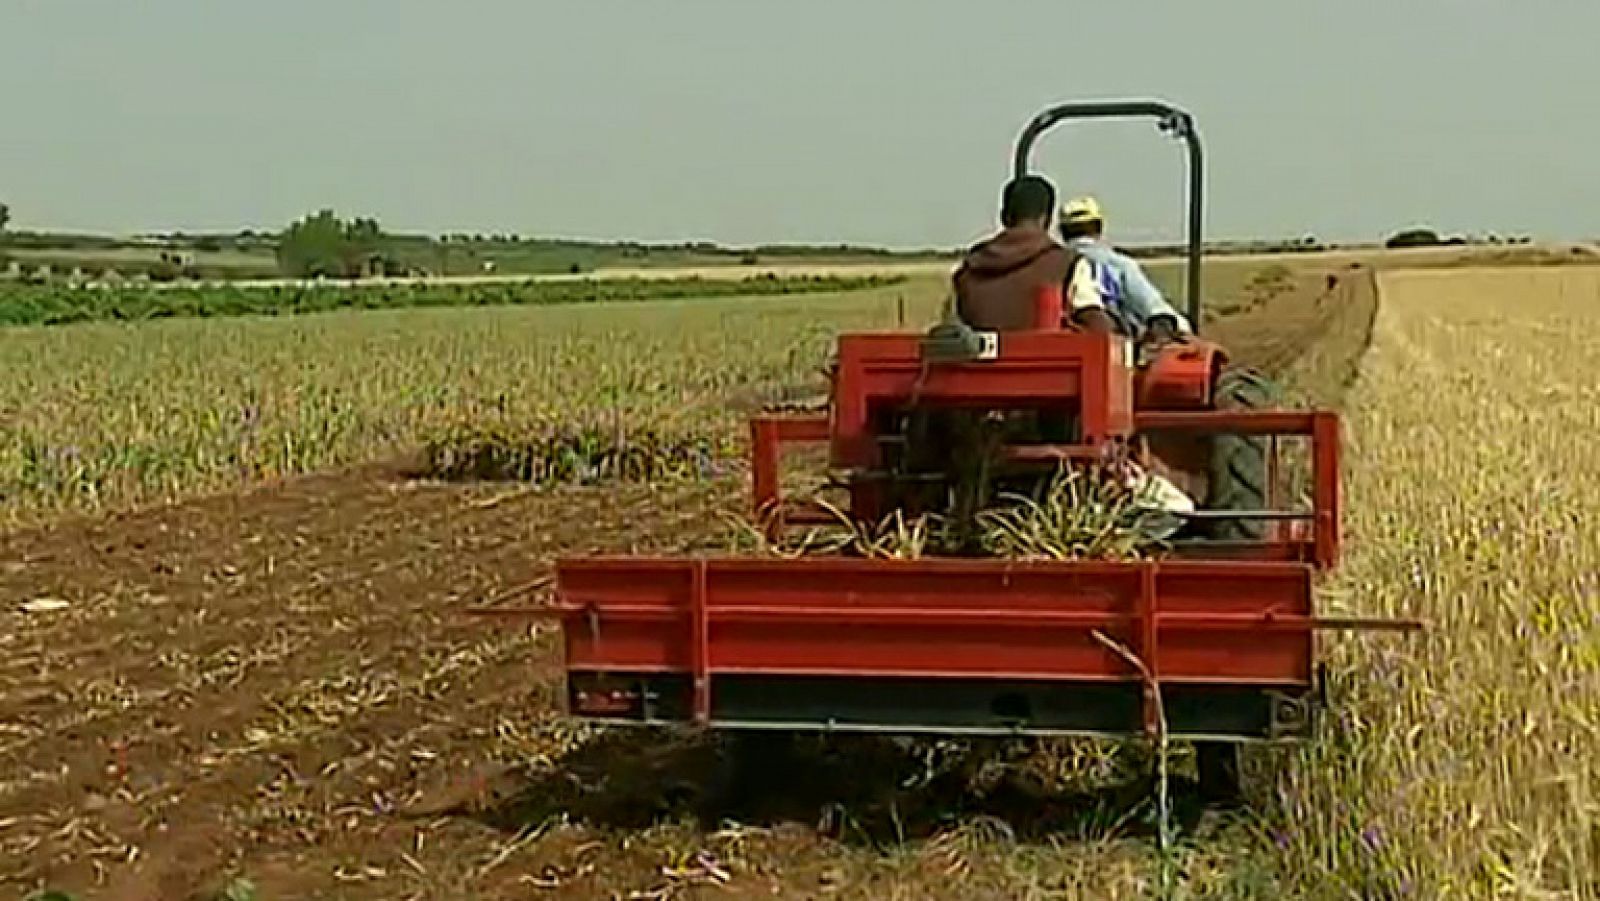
[(280, 686)]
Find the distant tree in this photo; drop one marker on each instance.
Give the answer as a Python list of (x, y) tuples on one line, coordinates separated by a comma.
[(313, 246), (5, 216), (1413, 237), (324, 245), (363, 238), (164, 270), (208, 244)]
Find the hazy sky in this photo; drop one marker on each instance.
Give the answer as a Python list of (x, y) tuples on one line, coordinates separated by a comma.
[(811, 120)]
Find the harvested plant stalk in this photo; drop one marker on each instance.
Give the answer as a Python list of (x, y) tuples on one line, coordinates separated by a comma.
[(547, 453)]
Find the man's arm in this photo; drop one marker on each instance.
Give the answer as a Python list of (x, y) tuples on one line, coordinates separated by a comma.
[(1092, 320), (1146, 304), (1085, 305)]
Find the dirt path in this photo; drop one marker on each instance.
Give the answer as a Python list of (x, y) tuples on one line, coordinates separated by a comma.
[(277, 685)]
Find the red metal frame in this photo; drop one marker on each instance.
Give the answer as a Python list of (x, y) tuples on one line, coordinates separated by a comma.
[(1243, 616), (1321, 426), (770, 434), (1085, 373), (1198, 622), (1181, 377)]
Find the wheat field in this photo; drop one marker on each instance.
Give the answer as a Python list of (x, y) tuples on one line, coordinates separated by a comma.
[(1463, 764)]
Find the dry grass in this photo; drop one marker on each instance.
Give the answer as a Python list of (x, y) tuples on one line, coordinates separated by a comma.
[(1463, 765)]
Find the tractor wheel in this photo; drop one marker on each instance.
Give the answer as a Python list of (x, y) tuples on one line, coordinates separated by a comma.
[(1238, 467)]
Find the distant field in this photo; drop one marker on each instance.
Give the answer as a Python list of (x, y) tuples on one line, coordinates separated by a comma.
[(255, 258), (128, 255), (1231, 284), (23, 304)]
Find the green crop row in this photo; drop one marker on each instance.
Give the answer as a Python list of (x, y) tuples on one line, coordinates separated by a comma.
[(25, 304)]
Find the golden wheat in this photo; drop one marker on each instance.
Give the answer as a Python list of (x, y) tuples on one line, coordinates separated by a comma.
[(1463, 764)]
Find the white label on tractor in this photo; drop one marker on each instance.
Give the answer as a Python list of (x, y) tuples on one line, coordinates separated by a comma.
[(988, 345)]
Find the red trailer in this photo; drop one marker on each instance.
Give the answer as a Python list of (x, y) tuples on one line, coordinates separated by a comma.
[(1214, 641)]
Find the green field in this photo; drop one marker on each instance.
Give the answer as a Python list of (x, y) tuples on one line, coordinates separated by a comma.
[(59, 305)]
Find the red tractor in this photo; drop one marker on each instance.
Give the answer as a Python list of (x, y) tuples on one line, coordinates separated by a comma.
[(1212, 641)]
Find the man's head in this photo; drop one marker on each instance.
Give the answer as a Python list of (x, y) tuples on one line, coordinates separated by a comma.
[(1027, 200), (1081, 217)]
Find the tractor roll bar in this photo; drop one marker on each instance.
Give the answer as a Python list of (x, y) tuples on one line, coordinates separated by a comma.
[(1169, 119)]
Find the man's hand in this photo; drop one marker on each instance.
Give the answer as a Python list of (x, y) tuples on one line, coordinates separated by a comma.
[(1092, 319), (1163, 330)]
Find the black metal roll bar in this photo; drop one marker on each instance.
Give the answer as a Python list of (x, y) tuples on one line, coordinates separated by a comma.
[(1169, 119)]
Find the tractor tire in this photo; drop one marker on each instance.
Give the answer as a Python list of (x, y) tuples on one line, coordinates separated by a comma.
[(1238, 466)]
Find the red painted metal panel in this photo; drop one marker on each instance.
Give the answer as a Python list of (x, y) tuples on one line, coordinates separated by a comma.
[(801, 429), (764, 457), (1149, 647), (700, 640), (1245, 422), (1083, 372), (1217, 622), (1093, 398), (1325, 496), (1287, 551), (1179, 377), (1119, 396), (768, 434)]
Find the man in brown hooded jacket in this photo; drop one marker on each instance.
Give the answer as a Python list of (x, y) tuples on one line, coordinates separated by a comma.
[(999, 281)]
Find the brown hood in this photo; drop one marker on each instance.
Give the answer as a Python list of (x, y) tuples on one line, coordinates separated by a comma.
[(999, 279), (1011, 249)]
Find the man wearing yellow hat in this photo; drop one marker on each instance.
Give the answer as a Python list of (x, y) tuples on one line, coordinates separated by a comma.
[(1126, 295)]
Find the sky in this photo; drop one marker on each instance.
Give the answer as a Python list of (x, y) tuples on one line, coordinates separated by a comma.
[(887, 122)]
